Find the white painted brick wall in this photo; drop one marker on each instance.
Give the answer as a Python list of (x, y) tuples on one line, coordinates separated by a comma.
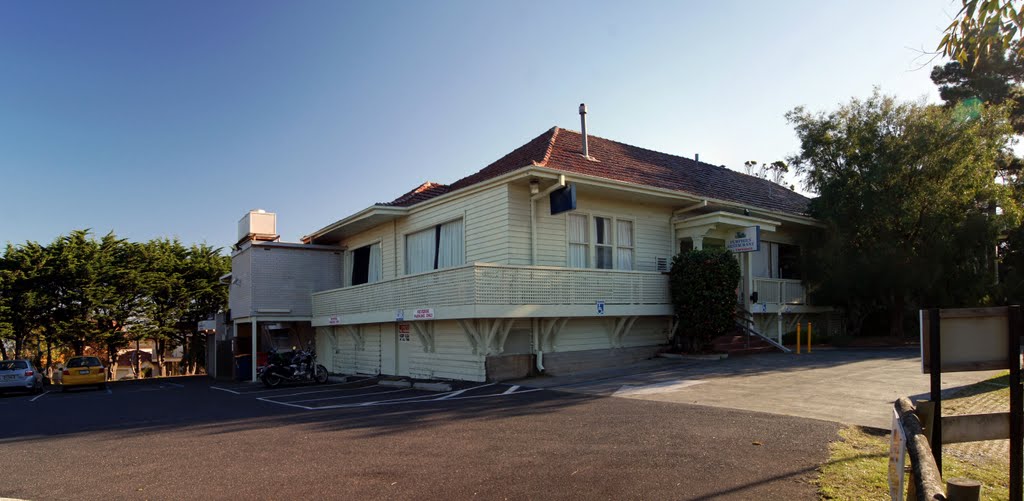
[(281, 278)]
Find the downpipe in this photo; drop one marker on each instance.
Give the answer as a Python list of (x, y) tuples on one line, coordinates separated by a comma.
[(539, 350)]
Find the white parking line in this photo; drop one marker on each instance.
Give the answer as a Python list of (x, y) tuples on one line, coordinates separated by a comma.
[(446, 396), (225, 389), (286, 403), (272, 390), (319, 391), (176, 385), (345, 396), (498, 394), (43, 394), (452, 394), (410, 400)]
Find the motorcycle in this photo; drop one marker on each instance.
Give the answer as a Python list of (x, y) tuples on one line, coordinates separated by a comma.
[(297, 366)]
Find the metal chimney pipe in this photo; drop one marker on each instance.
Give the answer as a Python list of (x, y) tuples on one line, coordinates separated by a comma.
[(583, 126), (696, 157)]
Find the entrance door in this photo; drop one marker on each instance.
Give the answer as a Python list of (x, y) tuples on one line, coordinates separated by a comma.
[(388, 352), (403, 332)]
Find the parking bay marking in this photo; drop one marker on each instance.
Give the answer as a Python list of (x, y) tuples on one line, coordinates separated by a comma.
[(275, 389), (270, 399), (37, 397), (319, 391)]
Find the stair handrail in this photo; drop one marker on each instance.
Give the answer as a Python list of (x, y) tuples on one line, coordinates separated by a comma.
[(749, 331)]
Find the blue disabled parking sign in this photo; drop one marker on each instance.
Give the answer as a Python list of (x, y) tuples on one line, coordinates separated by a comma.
[(600, 307)]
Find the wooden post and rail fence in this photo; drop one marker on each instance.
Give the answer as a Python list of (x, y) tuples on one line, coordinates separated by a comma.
[(956, 340)]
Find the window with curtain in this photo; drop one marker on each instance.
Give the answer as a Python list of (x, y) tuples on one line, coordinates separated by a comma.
[(761, 262), (624, 244), (603, 243), (364, 265), (441, 246), (578, 245), (450, 248)]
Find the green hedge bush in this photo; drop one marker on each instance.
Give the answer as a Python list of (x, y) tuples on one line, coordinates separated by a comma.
[(703, 286)]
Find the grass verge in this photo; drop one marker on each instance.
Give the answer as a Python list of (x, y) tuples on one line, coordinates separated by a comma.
[(858, 463)]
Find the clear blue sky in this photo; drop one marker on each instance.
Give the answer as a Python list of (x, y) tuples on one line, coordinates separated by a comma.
[(175, 118)]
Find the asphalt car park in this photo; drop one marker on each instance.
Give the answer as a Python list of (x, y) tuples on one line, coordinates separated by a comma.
[(369, 391), (186, 438)]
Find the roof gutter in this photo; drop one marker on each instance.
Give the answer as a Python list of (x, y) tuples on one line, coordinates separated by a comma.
[(383, 209)]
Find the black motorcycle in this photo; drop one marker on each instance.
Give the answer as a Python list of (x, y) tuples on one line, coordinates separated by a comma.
[(296, 366)]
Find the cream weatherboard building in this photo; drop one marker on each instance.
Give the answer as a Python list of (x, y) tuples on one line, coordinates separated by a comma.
[(481, 279)]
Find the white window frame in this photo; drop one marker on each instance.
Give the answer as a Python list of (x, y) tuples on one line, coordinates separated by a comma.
[(405, 245), (618, 245), (609, 237), (350, 257), (591, 239), (586, 243)]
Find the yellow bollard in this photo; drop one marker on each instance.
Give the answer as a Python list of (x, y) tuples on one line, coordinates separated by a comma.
[(798, 338), (808, 337)]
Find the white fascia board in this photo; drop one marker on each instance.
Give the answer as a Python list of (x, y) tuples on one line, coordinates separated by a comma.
[(728, 219), (673, 194), (363, 214)]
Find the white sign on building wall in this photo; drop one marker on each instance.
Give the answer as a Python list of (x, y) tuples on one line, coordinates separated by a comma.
[(745, 240), (423, 314)]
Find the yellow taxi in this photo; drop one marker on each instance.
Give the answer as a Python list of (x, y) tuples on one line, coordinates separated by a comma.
[(83, 371)]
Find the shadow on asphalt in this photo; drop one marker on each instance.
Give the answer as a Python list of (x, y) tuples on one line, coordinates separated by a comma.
[(139, 406), (188, 402), (657, 370)]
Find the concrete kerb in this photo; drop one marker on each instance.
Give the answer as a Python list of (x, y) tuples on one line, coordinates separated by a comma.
[(680, 356), (418, 385), (394, 383), (432, 386)]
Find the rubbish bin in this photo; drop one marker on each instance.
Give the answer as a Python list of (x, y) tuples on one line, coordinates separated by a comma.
[(243, 367)]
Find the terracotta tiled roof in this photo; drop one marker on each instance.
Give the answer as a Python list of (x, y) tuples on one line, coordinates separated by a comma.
[(561, 149), (421, 193)]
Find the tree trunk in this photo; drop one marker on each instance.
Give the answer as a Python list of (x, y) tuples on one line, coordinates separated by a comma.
[(38, 361), (3, 350), (159, 348), (19, 342), (896, 314)]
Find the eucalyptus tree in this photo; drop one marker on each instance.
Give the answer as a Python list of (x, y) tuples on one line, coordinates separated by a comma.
[(911, 204)]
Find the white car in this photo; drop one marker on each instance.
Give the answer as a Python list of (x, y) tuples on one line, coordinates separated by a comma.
[(20, 375)]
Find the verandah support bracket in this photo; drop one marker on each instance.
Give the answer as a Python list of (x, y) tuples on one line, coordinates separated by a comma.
[(550, 328), (469, 327), (425, 331), (357, 336), (619, 328), (487, 336)]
